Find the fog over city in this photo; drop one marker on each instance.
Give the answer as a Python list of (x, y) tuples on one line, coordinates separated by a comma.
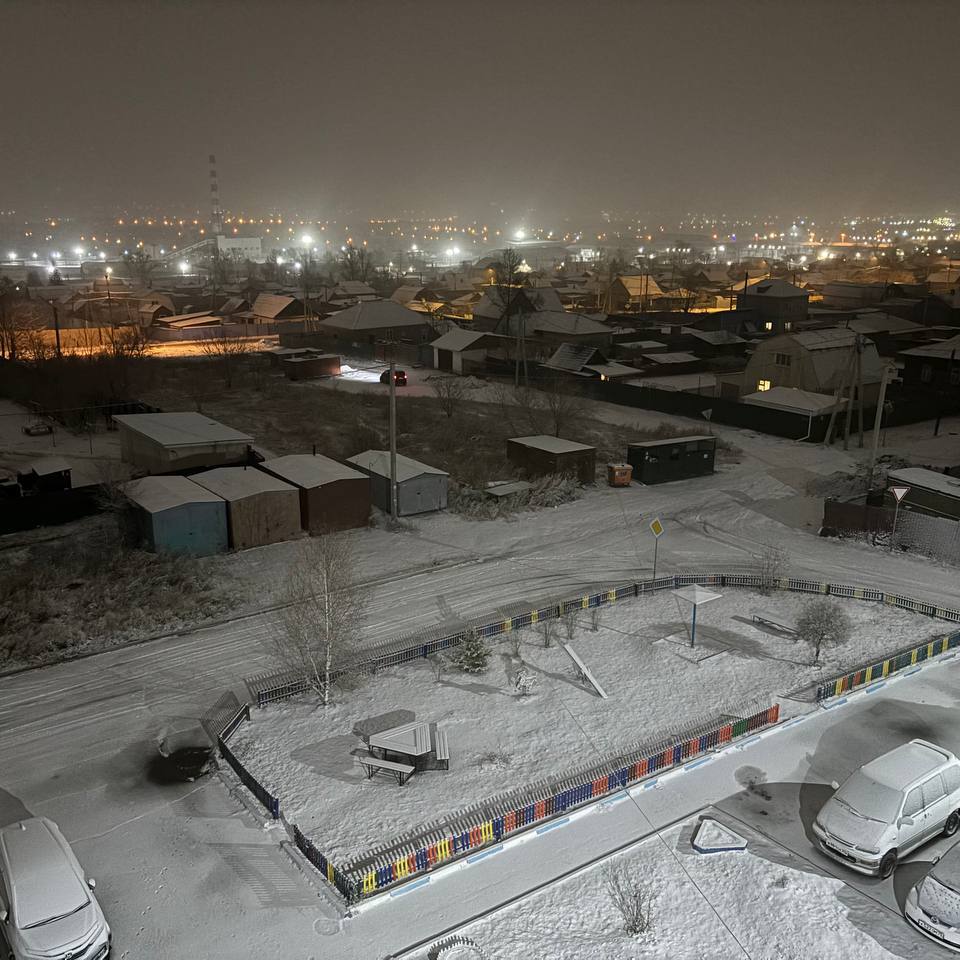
[(559, 109)]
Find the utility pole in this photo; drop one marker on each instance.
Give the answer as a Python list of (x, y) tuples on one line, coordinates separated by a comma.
[(953, 353), (56, 325), (877, 418), (393, 440)]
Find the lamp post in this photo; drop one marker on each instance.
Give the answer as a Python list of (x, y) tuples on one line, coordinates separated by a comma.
[(106, 277)]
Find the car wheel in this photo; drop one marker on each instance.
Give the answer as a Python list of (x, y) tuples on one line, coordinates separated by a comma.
[(953, 821), (888, 864)]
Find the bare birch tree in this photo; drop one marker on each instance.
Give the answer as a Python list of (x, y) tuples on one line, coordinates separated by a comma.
[(323, 614)]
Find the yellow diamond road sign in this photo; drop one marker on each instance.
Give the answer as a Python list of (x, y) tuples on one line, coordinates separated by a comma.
[(656, 527)]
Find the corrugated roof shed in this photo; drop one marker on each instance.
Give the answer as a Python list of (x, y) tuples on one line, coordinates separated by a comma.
[(551, 444), (378, 461), (158, 493), (46, 466), (181, 429), (794, 399), (237, 483), (928, 479), (309, 471)]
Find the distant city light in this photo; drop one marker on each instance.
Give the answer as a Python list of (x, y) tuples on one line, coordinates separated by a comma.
[(518, 235), (184, 266), (11, 255), (306, 239), (108, 271), (79, 251), (103, 256), (413, 249)]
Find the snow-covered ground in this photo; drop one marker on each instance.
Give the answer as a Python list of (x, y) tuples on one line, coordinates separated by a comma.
[(499, 741), (764, 903)]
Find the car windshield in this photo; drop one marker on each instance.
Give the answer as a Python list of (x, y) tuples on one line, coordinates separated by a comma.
[(868, 799)]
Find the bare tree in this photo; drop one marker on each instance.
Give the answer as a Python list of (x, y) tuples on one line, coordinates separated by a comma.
[(560, 405), (774, 562), (449, 392), (823, 623), (596, 615), (128, 342), (548, 630), (323, 612), (356, 263), (508, 282), (569, 620), (631, 898), (140, 266), (227, 348)]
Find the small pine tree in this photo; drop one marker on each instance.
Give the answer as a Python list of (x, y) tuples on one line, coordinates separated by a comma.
[(473, 654)]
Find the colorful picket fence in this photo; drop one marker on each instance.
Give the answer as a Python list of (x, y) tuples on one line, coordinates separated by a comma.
[(368, 876), (419, 855), (837, 686)]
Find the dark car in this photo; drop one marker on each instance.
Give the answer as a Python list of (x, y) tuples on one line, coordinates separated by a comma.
[(399, 377)]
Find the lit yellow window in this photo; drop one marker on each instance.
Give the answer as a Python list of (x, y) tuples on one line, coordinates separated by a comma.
[(763, 385)]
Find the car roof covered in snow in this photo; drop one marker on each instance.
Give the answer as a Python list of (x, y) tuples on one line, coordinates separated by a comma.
[(906, 764)]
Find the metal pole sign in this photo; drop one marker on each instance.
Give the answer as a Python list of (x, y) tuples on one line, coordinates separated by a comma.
[(656, 528), (898, 494)]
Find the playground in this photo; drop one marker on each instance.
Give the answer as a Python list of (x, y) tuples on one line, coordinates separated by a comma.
[(536, 711)]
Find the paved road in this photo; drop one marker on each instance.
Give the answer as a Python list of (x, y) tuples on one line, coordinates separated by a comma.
[(76, 739)]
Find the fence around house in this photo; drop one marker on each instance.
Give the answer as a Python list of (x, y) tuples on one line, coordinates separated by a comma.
[(494, 819)]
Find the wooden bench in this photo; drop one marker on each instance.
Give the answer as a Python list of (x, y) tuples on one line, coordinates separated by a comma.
[(441, 749), (400, 771), (771, 620)]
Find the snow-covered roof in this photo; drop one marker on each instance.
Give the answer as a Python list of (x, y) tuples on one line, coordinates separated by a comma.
[(612, 371), (491, 304), (378, 462), (776, 288), (457, 339), (715, 337), (271, 304), (309, 471), (670, 441), (551, 444), (373, 315), (559, 321), (677, 357), (181, 429), (158, 493), (927, 479), (639, 286), (236, 483), (46, 466), (794, 399), (942, 349)]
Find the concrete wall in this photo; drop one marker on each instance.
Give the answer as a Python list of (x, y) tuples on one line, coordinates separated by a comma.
[(196, 529)]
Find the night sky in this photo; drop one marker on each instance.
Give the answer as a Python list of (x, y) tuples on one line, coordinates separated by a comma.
[(560, 108)]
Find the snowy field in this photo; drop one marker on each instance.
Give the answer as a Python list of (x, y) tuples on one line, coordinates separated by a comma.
[(499, 740), (763, 903)]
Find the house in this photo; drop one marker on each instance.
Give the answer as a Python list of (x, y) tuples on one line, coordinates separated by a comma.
[(847, 294), (273, 307), (932, 368), (175, 515), (631, 294), (311, 365), (150, 313), (172, 442), (817, 361), (412, 295), (778, 303), (420, 488), (935, 494), (543, 455), (491, 309), (261, 508), (371, 320), (332, 495), (795, 400), (355, 289), (462, 351), (46, 475), (676, 458), (233, 305)]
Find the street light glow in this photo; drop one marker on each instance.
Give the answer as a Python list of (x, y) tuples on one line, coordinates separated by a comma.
[(108, 271), (518, 235), (184, 266), (307, 239), (79, 251)]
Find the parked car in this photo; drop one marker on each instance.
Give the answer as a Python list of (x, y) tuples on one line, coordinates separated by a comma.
[(933, 905), (890, 806), (47, 906), (399, 377)]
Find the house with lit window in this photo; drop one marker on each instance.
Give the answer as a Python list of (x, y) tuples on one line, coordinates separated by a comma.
[(777, 303), (816, 361)]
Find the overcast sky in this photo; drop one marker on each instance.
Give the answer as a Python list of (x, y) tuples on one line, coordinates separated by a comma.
[(564, 108)]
